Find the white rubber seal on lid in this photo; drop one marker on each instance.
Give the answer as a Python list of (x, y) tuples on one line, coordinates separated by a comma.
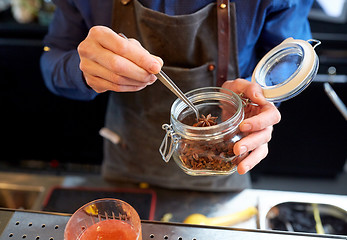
[(306, 67)]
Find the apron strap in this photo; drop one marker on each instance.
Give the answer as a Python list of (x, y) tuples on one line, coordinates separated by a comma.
[(223, 20)]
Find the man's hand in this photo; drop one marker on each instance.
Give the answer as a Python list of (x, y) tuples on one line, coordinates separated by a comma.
[(110, 62), (258, 124)]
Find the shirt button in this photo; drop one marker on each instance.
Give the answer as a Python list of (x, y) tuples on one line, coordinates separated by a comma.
[(211, 67), (125, 2), (223, 5)]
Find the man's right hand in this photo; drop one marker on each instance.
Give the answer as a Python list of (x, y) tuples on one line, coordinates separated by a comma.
[(110, 62)]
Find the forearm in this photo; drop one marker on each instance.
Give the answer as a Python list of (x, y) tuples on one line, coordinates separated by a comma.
[(62, 75), (60, 61)]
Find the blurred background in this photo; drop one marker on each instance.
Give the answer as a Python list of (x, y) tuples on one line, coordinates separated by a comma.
[(42, 132)]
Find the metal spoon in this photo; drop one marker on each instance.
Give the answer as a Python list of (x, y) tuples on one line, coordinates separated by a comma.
[(172, 86)]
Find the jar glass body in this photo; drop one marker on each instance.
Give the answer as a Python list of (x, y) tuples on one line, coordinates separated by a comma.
[(207, 150)]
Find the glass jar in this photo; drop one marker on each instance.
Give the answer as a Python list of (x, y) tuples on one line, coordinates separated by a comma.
[(283, 73), (205, 150)]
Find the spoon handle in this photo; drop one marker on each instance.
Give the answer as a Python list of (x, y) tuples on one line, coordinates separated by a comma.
[(172, 86)]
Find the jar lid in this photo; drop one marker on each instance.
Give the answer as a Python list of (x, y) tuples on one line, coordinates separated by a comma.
[(287, 69)]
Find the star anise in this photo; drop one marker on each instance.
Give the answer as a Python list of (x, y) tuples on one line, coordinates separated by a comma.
[(205, 121)]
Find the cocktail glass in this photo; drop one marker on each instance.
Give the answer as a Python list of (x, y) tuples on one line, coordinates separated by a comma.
[(105, 219)]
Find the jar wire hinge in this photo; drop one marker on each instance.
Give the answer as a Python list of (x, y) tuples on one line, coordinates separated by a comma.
[(166, 150)]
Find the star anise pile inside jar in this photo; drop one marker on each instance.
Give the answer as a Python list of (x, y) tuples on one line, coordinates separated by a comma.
[(214, 155)]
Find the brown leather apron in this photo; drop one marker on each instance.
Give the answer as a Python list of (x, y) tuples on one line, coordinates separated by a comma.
[(188, 44)]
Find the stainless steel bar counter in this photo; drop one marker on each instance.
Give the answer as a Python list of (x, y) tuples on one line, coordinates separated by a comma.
[(31, 191), (36, 225)]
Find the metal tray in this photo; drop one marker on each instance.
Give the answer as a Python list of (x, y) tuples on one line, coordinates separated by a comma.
[(299, 217), (16, 224)]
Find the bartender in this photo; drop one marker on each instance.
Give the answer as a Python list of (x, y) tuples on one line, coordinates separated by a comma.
[(85, 56)]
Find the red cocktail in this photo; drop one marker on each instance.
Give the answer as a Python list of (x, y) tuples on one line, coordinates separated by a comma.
[(104, 219), (110, 230)]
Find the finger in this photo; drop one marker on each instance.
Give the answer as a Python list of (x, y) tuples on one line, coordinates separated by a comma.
[(122, 66), (100, 85), (158, 59), (98, 70), (252, 159), (113, 62), (128, 49), (139, 44), (250, 90), (268, 116), (134, 41), (252, 141)]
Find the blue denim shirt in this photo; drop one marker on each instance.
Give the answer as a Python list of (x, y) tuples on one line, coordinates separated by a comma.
[(261, 25)]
